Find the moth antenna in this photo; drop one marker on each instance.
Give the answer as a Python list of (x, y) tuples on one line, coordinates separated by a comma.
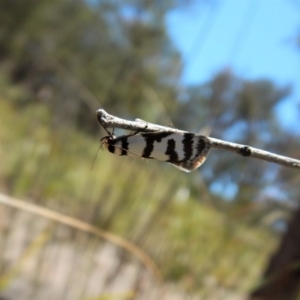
[(94, 160)]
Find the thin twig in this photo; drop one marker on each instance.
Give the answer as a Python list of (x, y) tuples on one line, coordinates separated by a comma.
[(83, 226), (109, 121)]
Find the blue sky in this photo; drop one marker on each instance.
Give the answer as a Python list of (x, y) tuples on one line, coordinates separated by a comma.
[(254, 38)]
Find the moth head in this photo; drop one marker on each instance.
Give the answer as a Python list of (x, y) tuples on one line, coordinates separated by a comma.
[(104, 142)]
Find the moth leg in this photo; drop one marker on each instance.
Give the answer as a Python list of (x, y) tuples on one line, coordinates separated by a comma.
[(110, 134), (140, 130), (113, 133)]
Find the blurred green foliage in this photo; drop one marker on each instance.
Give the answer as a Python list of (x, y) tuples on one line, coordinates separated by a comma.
[(62, 60)]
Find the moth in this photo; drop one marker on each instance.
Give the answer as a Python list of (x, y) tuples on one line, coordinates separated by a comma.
[(185, 151)]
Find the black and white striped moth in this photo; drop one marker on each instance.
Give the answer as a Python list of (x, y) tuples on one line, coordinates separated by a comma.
[(186, 151)]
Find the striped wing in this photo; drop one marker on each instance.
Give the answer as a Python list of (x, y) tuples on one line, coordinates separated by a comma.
[(185, 151)]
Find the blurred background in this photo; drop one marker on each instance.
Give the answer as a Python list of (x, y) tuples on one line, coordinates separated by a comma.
[(124, 228)]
